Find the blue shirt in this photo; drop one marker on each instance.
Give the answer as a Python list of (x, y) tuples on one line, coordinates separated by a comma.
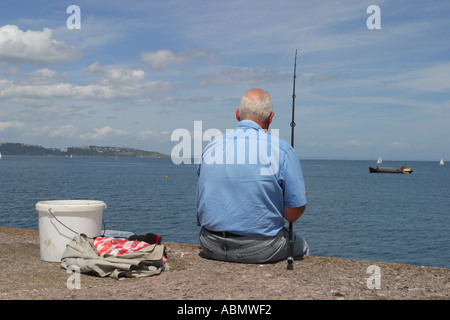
[(246, 177)]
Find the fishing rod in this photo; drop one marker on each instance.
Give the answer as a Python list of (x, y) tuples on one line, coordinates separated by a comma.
[(290, 247)]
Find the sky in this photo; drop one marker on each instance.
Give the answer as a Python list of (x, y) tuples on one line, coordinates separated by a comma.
[(129, 73)]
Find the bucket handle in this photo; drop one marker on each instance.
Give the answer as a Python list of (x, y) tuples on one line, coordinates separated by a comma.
[(50, 211)]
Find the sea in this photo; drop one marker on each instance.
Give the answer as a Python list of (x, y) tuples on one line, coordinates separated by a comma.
[(351, 213)]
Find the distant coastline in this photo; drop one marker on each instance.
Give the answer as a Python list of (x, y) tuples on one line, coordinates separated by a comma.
[(9, 148)]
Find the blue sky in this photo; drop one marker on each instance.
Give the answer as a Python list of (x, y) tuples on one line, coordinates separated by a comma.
[(138, 70)]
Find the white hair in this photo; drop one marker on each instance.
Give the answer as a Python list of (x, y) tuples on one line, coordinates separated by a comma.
[(257, 105)]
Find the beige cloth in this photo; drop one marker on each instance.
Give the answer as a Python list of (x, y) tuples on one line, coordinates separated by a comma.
[(82, 253)]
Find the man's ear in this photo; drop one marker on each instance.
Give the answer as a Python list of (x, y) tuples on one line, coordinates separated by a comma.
[(271, 117), (237, 115)]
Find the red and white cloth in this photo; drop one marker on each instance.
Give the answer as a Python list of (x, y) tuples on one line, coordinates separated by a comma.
[(115, 246)]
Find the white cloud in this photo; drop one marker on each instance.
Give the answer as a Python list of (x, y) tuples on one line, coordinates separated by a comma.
[(249, 76), (37, 47), (113, 83), (146, 134), (129, 83), (399, 145), (6, 125), (12, 128), (95, 67), (113, 74), (161, 59), (42, 76), (101, 133), (276, 26), (12, 71), (65, 131), (434, 79), (54, 112)]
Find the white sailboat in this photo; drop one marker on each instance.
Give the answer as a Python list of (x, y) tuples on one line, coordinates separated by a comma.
[(0, 155), (379, 160), (441, 163)]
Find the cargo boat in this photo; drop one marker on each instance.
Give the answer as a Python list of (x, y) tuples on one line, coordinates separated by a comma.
[(389, 170)]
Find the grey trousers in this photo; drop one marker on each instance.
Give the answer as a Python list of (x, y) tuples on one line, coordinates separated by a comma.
[(250, 249)]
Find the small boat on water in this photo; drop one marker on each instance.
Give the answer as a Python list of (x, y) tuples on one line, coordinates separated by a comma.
[(441, 163), (379, 160), (389, 170)]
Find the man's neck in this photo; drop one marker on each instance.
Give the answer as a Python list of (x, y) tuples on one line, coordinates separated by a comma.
[(262, 125)]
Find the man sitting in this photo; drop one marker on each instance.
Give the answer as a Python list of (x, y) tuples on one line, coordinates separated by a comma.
[(249, 184)]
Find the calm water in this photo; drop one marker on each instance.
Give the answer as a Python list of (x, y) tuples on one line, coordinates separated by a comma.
[(351, 213)]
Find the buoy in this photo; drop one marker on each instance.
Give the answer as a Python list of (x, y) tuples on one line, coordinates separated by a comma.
[(166, 177)]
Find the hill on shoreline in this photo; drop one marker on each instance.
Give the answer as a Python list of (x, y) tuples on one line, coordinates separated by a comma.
[(9, 148)]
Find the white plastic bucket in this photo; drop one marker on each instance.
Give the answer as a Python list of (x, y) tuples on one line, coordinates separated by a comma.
[(61, 220)]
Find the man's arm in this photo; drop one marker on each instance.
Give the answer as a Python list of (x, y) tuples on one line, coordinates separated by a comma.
[(292, 214)]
